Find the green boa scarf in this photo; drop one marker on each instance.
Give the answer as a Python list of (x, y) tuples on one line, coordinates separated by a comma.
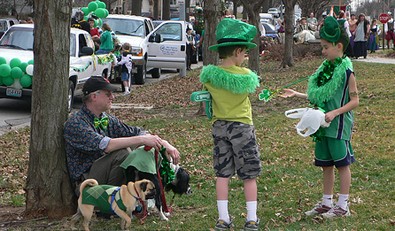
[(322, 84), (235, 83)]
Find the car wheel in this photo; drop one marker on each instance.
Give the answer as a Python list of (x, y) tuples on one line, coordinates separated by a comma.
[(140, 75), (70, 96), (155, 73)]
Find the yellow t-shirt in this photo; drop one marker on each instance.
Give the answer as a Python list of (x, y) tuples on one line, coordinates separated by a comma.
[(229, 88)]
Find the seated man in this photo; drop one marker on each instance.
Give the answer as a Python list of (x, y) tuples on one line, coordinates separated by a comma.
[(303, 32), (96, 142)]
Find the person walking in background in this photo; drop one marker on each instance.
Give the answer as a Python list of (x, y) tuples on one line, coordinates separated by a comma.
[(333, 88), (189, 50), (235, 145), (125, 61), (374, 32), (106, 40), (342, 20), (361, 37), (389, 29)]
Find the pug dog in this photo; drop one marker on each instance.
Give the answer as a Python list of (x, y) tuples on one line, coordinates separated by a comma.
[(121, 200), (137, 167)]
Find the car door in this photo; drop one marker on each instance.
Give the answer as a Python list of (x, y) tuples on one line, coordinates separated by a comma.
[(170, 51)]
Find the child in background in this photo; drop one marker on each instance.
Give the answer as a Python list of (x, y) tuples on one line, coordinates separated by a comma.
[(235, 144), (125, 60), (333, 88)]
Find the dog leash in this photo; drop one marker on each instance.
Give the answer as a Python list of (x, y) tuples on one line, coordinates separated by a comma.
[(143, 214), (162, 191)]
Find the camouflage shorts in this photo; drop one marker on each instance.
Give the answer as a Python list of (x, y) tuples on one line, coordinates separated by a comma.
[(235, 150)]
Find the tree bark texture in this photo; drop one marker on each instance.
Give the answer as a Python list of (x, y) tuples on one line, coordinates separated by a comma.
[(212, 14), (136, 7), (314, 6), (289, 30), (48, 189), (166, 10), (253, 9)]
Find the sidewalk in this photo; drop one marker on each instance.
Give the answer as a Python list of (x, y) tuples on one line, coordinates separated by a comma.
[(375, 59)]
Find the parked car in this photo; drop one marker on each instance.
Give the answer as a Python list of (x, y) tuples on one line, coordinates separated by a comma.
[(271, 35), (6, 23), (274, 11), (17, 42), (266, 17)]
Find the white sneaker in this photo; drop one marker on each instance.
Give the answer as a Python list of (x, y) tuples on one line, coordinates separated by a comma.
[(318, 209), (336, 211), (126, 93)]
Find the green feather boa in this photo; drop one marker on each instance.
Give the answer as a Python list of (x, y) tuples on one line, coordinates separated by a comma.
[(320, 94), (236, 83)]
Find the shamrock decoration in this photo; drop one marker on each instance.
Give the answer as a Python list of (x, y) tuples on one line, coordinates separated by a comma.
[(267, 94)]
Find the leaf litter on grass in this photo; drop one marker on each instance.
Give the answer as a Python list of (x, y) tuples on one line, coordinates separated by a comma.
[(289, 183)]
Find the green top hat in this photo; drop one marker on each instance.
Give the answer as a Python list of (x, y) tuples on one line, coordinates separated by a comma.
[(232, 32), (331, 31)]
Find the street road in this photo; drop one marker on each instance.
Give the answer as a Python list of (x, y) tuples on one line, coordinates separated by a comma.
[(15, 113)]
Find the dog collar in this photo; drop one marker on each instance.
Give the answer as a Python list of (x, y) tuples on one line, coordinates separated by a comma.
[(135, 197)]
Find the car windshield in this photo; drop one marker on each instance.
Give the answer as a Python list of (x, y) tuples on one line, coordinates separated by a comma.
[(21, 38), (126, 26), (269, 29)]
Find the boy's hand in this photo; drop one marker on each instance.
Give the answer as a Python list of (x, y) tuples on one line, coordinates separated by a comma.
[(329, 116), (288, 93)]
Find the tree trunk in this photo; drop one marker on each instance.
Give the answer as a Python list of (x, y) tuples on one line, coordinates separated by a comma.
[(136, 7), (156, 10), (253, 9), (166, 10), (289, 30), (212, 16), (48, 188)]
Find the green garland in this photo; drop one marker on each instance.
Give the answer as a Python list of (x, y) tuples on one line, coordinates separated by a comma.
[(236, 83), (109, 58), (328, 77), (166, 172)]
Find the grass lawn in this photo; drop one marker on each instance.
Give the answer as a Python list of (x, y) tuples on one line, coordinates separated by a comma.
[(289, 184)]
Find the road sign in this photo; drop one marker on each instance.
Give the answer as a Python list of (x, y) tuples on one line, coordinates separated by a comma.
[(383, 18)]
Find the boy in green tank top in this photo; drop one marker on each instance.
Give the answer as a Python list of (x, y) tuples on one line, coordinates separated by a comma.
[(333, 88), (235, 146)]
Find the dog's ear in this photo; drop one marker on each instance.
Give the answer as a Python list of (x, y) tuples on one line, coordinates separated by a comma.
[(143, 186)]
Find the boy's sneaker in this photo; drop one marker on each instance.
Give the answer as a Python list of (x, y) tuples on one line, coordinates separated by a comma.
[(318, 209), (223, 225), (251, 225), (336, 211), (126, 93)]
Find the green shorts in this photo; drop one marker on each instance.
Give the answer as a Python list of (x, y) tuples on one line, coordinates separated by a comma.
[(331, 151)]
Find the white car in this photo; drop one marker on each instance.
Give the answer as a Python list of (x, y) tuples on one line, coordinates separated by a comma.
[(17, 42), (274, 11)]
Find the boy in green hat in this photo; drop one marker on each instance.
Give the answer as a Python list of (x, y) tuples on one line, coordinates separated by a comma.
[(333, 88), (235, 146)]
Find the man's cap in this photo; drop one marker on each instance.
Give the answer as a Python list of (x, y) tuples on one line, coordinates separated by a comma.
[(96, 83), (232, 32), (331, 30)]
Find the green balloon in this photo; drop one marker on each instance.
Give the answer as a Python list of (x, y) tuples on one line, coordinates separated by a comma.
[(3, 60), (86, 18), (15, 62), (26, 81), (92, 6), (85, 10), (107, 13), (16, 72), (5, 70), (23, 66), (99, 22), (101, 5), (100, 12), (8, 81), (30, 61), (1, 81)]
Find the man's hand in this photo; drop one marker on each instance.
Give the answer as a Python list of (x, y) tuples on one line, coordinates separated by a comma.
[(172, 151)]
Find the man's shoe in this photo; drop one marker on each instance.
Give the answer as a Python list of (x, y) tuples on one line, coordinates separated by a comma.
[(251, 225), (317, 210), (336, 211), (223, 225)]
